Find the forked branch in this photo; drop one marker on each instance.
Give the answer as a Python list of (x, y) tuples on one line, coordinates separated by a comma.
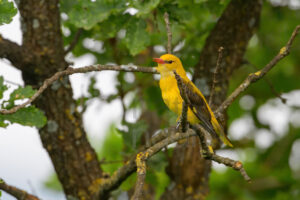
[(252, 78)]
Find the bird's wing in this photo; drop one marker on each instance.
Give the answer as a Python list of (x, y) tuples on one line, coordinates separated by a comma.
[(199, 106)]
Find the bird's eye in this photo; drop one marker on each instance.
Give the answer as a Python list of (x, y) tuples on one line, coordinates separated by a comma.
[(169, 61)]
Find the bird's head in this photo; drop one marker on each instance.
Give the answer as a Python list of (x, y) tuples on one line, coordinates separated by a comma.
[(167, 63)]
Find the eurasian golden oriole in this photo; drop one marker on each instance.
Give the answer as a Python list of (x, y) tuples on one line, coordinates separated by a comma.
[(201, 113)]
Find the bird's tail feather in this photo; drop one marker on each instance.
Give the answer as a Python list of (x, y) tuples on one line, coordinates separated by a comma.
[(219, 130)]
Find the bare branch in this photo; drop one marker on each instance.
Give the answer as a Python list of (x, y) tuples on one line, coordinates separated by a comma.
[(16, 192), (70, 70), (284, 51), (283, 100), (169, 32), (130, 166), (209, 154), (11, 51), (141, 174), (217, 70), (74, 41)]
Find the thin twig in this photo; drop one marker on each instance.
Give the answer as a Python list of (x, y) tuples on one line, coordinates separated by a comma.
[(141, 175), (70, 70), (215, 80), (209, 154), (16, 192), (284, 51), (169, 32), (74, 41), (278, 95)]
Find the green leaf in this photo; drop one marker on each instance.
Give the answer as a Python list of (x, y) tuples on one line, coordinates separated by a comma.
[(86, 14), (28, 116), (137, 38), (3, 87), (7, 11), (19, 93), (144, 7)]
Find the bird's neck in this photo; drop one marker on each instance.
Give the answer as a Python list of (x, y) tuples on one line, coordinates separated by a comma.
[(169, 73)]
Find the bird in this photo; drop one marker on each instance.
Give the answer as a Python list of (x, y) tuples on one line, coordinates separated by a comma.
[(199, 112)]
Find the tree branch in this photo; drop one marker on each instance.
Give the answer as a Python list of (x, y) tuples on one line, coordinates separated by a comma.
[(11, 51), (284, 51), (283, 100), (130, 166), (70, 70), (209, 154), (16, 192), (141, 174)]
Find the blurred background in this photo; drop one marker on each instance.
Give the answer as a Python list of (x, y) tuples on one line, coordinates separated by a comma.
[(264, 123)]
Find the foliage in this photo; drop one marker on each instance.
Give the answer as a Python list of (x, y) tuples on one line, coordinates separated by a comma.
[(28, 116), (7, 11)]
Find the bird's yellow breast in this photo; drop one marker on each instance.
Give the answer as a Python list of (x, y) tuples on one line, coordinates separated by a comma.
[(171, 96)]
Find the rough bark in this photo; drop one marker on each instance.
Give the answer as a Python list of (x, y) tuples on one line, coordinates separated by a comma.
[(188, 171), (63, 137)]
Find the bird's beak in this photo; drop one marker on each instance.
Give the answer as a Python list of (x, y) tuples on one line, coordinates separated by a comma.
[(159, 60)]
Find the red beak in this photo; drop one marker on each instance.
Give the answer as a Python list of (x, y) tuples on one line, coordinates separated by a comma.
[(159, 60)]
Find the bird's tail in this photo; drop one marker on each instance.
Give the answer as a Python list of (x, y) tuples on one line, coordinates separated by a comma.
[(219, 130)]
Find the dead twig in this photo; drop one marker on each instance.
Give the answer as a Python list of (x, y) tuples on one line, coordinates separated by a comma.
[(69, 71), (215, 80), (169, 32), (16, 192), (284, 51)]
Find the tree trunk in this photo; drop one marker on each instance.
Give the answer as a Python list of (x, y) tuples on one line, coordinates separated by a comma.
[(188, 171), (63, 137)]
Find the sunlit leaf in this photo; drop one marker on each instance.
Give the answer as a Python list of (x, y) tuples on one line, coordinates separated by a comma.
[(137, 38), (7, 12)]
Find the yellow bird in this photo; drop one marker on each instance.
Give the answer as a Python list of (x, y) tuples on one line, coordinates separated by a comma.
[(201, 113)]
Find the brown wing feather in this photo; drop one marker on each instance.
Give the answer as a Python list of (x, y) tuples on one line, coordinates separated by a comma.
[(199, 108)]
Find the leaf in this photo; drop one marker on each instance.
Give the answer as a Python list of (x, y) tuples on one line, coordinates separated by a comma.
[(86, 14), (110, 27), (7, 11), (3, 87), (19, 93), (28, 116), (144, 7), (137, 38)]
